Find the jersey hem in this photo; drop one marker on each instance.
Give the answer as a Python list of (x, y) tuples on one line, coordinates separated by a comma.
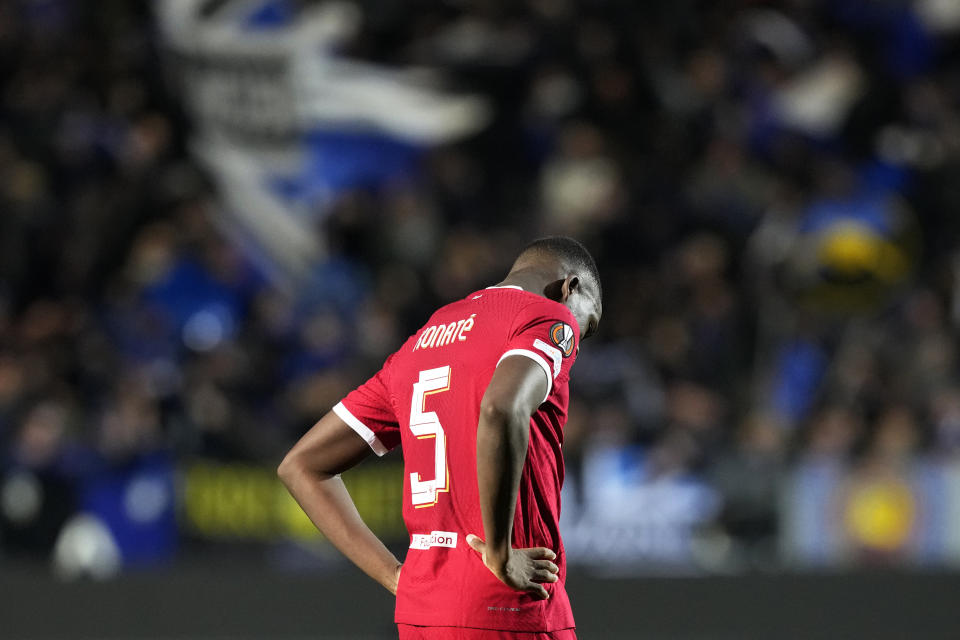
[(466, 626), (533, 628)]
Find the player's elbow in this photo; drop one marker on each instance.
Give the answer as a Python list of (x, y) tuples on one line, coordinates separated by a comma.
[(500, 413), (289, 468)]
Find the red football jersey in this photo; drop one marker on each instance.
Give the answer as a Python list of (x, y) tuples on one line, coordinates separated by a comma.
[(427, 397)]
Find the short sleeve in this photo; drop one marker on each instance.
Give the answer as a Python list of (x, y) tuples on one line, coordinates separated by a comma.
[(547, 333), (368, 411)]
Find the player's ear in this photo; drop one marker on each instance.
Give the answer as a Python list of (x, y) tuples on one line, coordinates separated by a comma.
[(570, 284), (555, 291)]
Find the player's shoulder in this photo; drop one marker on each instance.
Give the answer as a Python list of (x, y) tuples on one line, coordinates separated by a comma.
[(529, 307), (514, 299), (508, 307), (500, 300)]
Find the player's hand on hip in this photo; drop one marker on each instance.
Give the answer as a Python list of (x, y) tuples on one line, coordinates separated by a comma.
[(523, 569)]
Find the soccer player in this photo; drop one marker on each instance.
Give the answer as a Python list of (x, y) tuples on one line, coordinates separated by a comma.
[(478, 400)]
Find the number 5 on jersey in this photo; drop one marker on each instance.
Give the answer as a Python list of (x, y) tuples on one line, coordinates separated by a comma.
[(425, 424)]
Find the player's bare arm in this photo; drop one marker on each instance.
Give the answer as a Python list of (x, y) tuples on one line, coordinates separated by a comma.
[(513, 395), (311, 471), (468, 436)]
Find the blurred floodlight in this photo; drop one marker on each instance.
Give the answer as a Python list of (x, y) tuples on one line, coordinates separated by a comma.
[(779, 35), (21, 497), (818, 100), (147, 498), (939, 15), (85, 548), (206, 329)]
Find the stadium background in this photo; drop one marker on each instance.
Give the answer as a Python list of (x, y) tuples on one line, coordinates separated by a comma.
[(218, 217)]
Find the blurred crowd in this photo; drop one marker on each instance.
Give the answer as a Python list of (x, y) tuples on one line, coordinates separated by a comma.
[(769, 188)]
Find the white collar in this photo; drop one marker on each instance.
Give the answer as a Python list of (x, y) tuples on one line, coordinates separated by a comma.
[(506, 286)]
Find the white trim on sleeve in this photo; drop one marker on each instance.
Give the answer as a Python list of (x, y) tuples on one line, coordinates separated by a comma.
[(362, 430), (533, 355), (554, 353)]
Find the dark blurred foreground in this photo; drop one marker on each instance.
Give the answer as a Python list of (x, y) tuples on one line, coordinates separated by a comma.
[(219, 602)]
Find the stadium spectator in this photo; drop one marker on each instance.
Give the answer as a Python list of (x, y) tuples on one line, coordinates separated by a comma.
[(770, 191)]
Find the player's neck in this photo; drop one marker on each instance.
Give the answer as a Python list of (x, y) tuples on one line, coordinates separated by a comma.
[(531, 279)]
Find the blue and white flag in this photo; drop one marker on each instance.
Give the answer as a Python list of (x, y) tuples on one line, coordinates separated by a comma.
[(284, 123)]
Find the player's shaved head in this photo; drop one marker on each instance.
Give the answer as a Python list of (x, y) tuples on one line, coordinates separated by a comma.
[(570, 253), (561, 269)]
